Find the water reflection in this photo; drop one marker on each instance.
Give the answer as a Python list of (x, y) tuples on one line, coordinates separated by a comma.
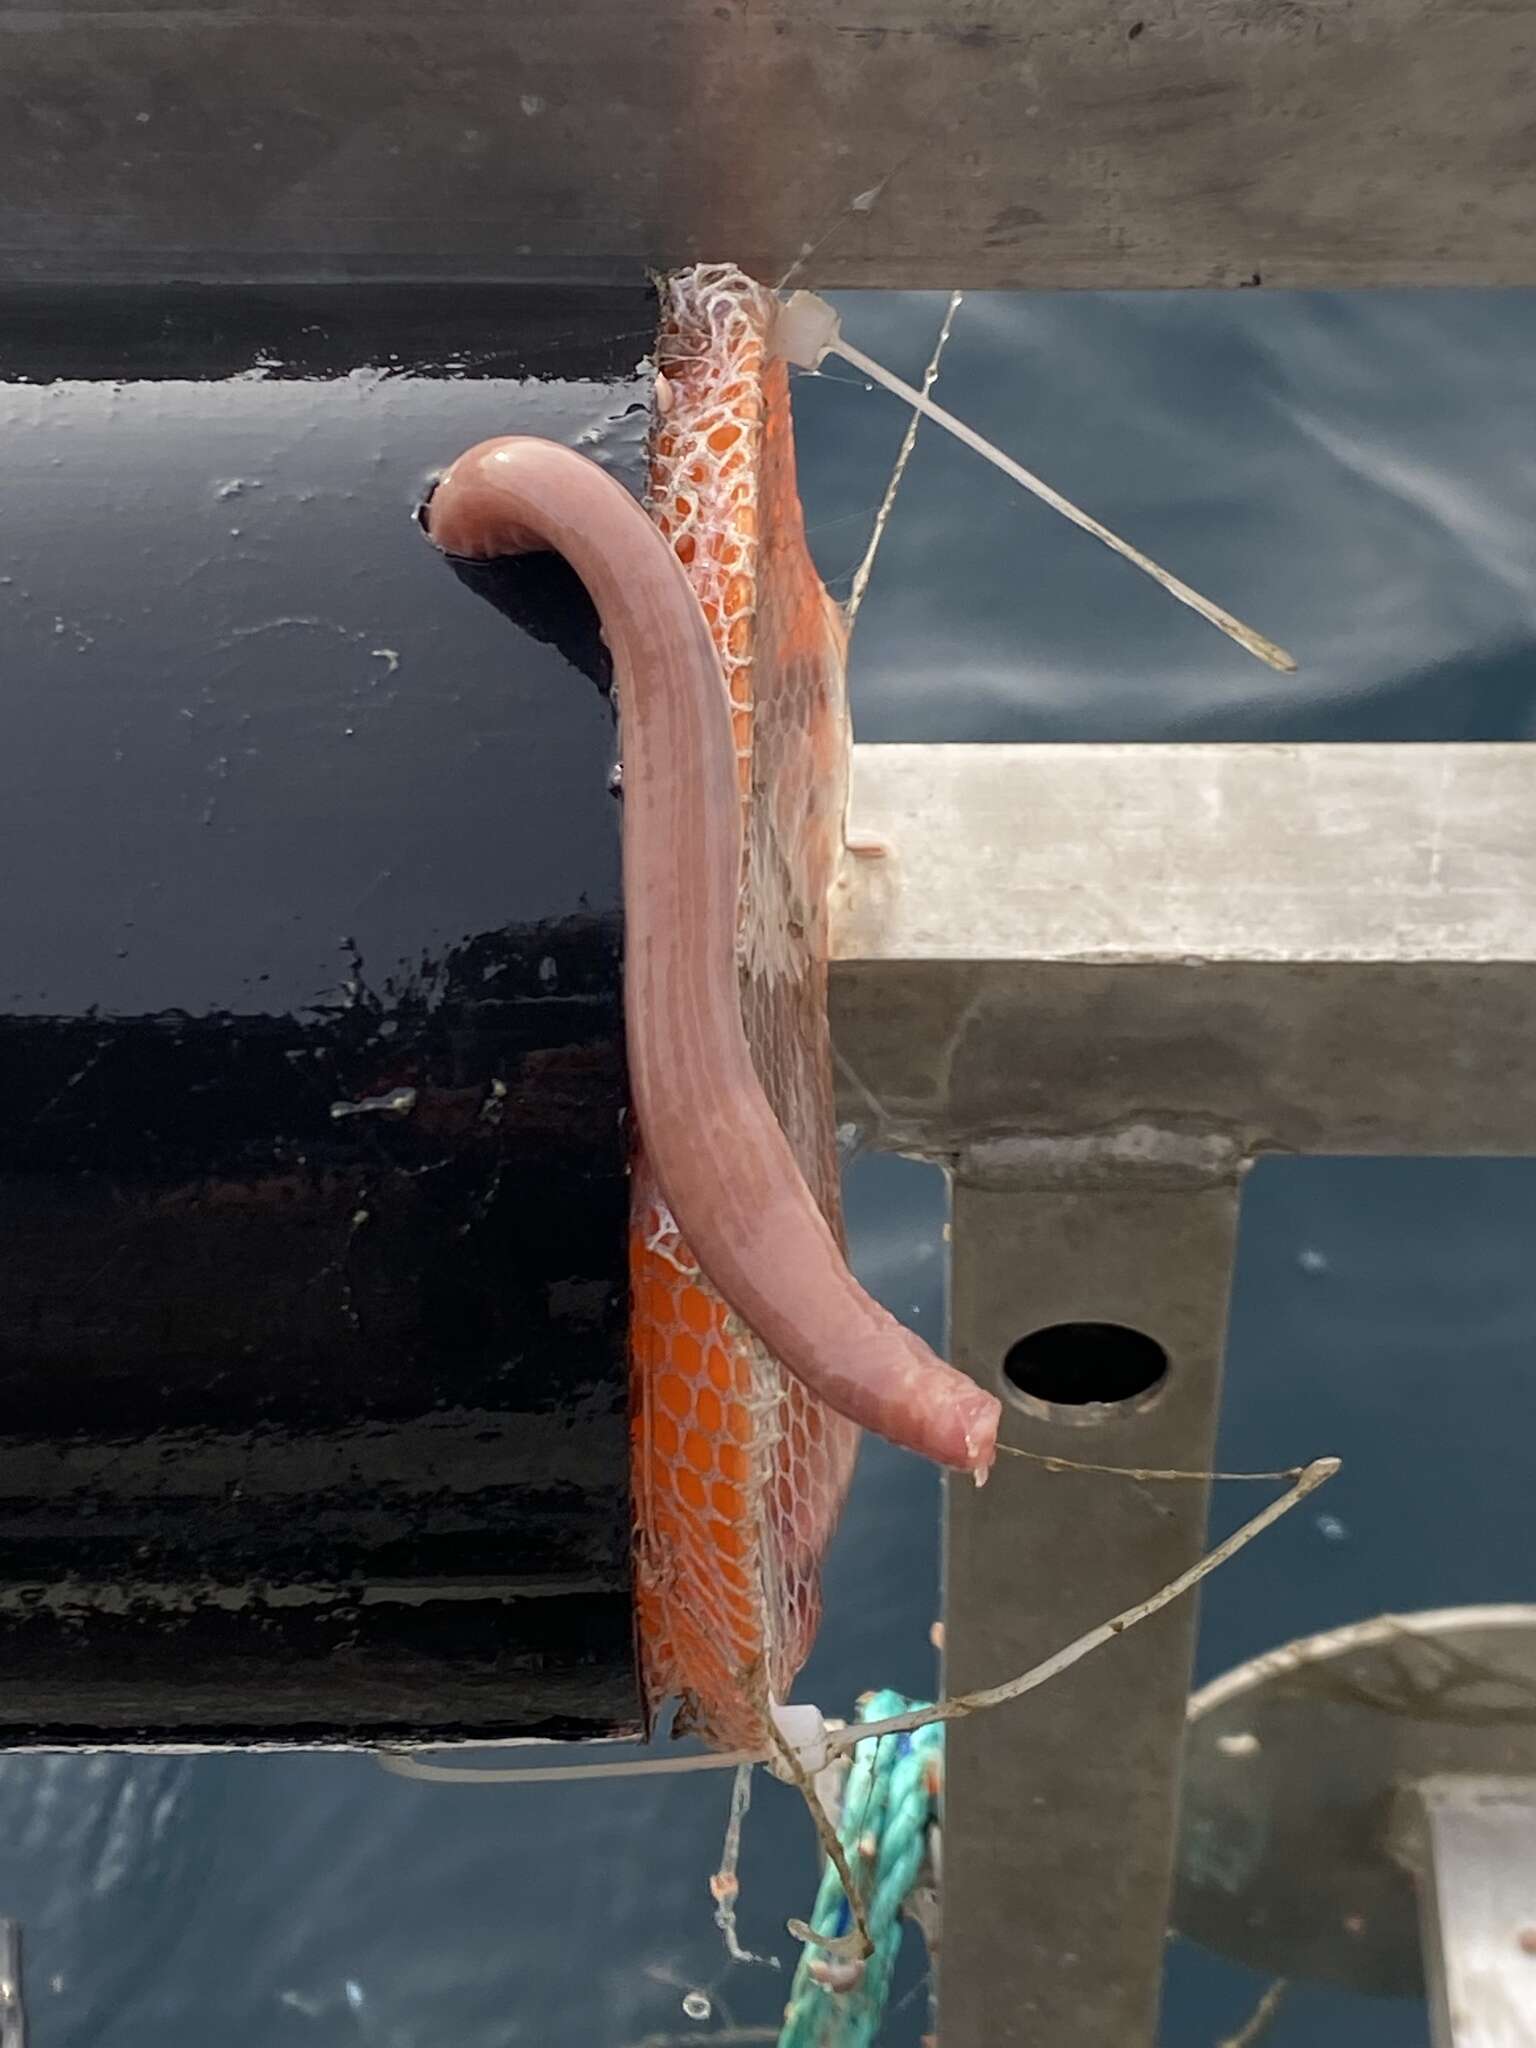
[(1339, 470)]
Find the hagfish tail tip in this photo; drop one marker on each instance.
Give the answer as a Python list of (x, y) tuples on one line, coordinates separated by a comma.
[(978, 1415)]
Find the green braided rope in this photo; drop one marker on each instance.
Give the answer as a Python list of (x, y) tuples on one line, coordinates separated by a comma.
[(889, 1802)]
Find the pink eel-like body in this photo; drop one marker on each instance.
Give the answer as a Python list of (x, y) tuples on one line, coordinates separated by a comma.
[(719, 1155)]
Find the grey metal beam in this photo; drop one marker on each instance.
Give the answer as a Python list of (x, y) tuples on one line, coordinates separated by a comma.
[(1478, 1901), (13, 2011), (1095, 960), (1010, 142), (1095, 982), (1060, 1812)]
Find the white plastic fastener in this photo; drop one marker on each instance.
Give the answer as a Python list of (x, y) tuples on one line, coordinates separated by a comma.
[(804, 328), (804, 1731)]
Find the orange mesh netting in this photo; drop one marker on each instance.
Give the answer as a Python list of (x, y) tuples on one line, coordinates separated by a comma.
[(739, 1474)]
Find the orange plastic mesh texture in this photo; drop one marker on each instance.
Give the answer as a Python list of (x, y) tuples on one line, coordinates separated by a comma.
[(739, 1474)]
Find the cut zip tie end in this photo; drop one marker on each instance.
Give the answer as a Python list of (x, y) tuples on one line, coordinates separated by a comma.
[(807, 328)]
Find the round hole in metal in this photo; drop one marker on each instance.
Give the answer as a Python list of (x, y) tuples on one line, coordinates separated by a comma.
[(1084, 1369)]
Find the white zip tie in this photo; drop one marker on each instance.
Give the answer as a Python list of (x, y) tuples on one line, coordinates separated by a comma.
[(405, 1764), (807, 328), (803, 1737)]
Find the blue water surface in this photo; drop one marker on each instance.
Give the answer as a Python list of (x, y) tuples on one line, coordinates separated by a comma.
[(1354, 475)]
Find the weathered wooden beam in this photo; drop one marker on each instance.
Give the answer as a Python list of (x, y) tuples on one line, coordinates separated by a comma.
[(989, 143)]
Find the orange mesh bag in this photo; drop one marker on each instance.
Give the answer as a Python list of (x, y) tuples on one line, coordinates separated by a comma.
[(739, 1473)]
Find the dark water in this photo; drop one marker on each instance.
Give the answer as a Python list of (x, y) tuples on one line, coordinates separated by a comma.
[(1355, 476)]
